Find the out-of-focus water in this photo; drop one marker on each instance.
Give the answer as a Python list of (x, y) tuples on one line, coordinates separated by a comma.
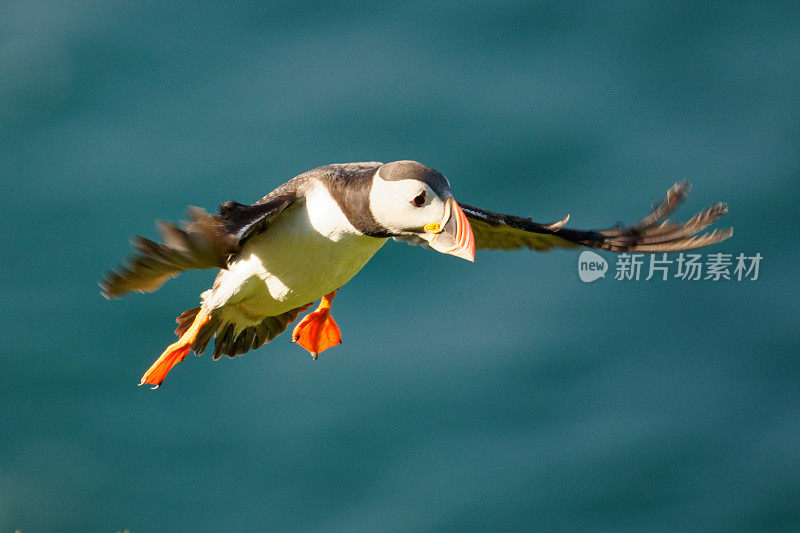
[(501, 395)]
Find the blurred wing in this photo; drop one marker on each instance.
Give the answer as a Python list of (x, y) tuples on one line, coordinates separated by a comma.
[(651, 234), (203, 243), (208, 241)]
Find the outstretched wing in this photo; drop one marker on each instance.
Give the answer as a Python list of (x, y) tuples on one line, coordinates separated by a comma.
[(208, 241), (651, 234)]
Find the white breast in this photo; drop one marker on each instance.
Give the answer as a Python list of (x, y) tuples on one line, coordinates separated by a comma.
[(310, 250)]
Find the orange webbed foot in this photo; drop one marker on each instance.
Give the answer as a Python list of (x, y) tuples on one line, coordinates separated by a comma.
[(318, 331), (175, 352)]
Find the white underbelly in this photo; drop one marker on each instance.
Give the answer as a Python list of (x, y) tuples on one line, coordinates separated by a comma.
[(290, 264)]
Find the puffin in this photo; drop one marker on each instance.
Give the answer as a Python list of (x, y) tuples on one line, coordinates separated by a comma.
[(307, 238)]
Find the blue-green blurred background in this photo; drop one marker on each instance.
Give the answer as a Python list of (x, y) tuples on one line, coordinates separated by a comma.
[(500, 395)]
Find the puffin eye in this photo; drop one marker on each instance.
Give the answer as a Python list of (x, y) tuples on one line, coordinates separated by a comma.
[(419, 200)]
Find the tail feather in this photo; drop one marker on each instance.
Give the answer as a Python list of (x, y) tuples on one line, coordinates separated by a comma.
[(233, 341), (185, 320), (205, 335), (222, 340)]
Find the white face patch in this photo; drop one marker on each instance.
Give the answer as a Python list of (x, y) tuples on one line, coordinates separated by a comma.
[(325, 215), (394, 204)]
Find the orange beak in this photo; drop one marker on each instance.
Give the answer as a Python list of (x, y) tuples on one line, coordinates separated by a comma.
[(454, 234)]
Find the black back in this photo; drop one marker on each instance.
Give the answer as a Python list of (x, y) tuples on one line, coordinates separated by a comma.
[(348, 183)]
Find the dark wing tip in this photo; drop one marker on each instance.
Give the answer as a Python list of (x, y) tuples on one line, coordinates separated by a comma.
[(675, 196), (656, 234)]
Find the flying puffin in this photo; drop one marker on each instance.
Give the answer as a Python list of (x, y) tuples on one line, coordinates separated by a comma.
[(307, 238)]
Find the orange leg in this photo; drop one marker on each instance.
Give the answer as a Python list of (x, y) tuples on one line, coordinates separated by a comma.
[(175, 352), (318, 331)]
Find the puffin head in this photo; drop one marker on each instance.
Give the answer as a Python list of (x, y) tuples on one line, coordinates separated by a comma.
[(409, 199)]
